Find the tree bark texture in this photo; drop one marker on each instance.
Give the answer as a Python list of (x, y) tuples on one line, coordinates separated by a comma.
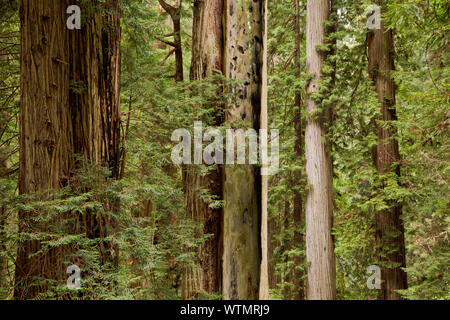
[(389, 230), (207, 58), (321, 282), (299, 293), (69, 104), (264, 277), (94, 102), (45, 131), (242, 183)]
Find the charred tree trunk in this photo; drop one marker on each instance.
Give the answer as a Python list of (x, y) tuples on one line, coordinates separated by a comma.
[(389, 233), (207, 58), (321, 282)]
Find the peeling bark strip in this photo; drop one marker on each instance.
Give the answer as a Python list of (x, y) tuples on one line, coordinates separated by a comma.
[(207, 57), (242, 183), (321, 281), (387, 222), (45, 129)]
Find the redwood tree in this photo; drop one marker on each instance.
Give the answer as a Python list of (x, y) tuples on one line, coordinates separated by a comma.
[(207, 59), (94, 102), (389, 231), (224, 43), (69, 104), (45, 131)]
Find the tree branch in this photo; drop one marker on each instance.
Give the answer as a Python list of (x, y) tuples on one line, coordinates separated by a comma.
[(173, 44), (168, 8)]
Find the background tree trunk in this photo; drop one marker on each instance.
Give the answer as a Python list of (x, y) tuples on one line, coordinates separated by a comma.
[(175, 14), (321, 282), (95, 102), (4, 272), (298, 201), (207, 58), (389, 233)]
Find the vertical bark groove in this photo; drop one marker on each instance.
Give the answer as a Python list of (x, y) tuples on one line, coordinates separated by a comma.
[(45, 131), (95, 101), (69, 104)]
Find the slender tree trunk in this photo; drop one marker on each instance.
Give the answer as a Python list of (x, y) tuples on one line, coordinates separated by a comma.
[(242, 183), (4, 272), (45, 131), (207, 58), (287, 245), (264, 280), (321, 282), (389, 232), (179, 76), (4, 286), (175, 14), (298, 201), (272, 244), (3, 260)]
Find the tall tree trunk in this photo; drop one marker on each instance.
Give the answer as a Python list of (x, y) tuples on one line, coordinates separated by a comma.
[(389, 234), (321, 282), (69, 104), (242, 183), (298, 201), (207, 58), (95, 102), (264, 279), (4, 285), (238, 230), (45, 130)]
